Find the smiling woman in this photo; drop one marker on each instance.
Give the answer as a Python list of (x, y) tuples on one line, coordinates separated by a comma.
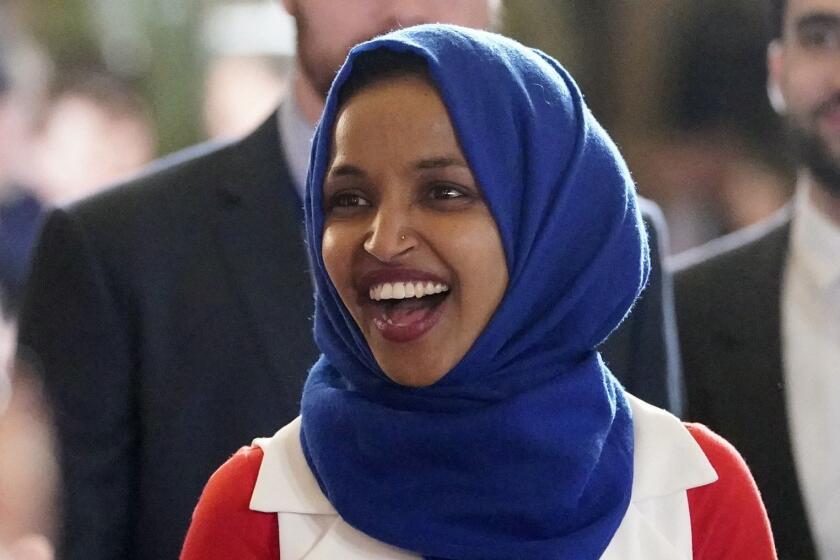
[(409, 241), (474, 235)]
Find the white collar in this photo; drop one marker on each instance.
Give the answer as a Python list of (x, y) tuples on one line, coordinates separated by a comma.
[(815, 241), (666, 459), (285, 482)]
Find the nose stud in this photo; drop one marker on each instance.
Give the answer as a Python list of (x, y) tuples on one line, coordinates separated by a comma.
[(402, 237)]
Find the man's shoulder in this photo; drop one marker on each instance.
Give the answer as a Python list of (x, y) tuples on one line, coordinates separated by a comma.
[(735, 254), (181, 177)]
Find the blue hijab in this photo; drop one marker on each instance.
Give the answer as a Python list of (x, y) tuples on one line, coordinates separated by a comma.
[(525, 448)]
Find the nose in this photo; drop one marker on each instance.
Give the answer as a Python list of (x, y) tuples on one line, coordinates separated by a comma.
[(390, 235)]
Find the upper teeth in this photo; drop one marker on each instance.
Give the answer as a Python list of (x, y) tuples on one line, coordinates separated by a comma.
[(404, 290)]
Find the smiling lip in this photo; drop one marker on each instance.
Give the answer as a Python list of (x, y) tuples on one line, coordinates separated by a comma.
[(828, 116), (403, 325)]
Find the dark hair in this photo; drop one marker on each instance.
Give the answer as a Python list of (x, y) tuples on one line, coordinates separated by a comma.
[(373, 67), (112, 95), (777, 18)]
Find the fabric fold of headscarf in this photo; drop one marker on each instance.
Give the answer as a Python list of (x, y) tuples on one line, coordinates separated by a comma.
[(525, 448)]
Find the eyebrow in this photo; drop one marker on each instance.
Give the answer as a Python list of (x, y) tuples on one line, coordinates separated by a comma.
[(817, 19), (349, 170), (345, 170), (440, 162)]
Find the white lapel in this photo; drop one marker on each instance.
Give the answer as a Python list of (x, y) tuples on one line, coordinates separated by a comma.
[(285, 481), (309, 526), (667, 462), (666, 458)]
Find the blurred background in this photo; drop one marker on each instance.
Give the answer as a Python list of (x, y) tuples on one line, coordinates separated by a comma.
[(102, 87), (677, 82)]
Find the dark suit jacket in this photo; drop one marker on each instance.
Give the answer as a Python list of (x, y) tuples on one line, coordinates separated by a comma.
[(643, 352), (728, 310), (171, 319)]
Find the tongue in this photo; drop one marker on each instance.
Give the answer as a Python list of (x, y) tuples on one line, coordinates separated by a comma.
[(408, 311)]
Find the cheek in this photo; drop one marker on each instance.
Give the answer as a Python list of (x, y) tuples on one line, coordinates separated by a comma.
[(337, 255), (481, 269), (806, 85)]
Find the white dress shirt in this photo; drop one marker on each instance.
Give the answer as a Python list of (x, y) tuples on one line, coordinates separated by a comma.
[(811, 356)]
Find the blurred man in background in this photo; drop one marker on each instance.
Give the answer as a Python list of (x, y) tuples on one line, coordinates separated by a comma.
[(759, 311), (27, 464), (27, 467), (95, 131), (55, 149), (171, 315), (22, 80)]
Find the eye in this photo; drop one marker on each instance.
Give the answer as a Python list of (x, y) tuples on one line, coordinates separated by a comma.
[(446, 192), (348, 200), (819, 37)]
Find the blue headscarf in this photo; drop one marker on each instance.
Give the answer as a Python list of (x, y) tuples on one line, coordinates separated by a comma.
[(525, 448)]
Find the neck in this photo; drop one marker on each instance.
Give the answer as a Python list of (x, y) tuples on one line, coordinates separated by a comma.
[(309, 100), (822, 198)]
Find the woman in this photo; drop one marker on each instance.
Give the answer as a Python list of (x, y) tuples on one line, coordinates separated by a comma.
[(475, 236)]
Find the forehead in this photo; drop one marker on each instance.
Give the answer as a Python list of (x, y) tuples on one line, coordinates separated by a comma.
[(397, 126), (406, 105)]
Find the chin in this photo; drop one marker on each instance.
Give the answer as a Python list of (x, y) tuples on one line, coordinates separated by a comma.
[(404, 371)]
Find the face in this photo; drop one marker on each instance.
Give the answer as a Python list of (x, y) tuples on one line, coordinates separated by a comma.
[(409, 242), (328, 29), (804, 73)]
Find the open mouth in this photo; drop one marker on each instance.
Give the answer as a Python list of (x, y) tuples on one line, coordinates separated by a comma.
[(405, 311), (828, 115)]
